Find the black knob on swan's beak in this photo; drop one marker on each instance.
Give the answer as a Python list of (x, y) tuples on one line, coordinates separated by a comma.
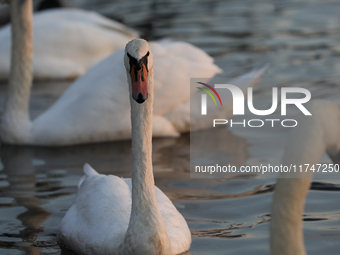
[(140, 99)]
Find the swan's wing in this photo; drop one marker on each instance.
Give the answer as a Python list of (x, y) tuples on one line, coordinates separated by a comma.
[(88, 171), (180, 116), (162, 127), (67, 42), (174, 64), (90, 18), (95, 108), (249, 79), (98, 218), (175, 223)]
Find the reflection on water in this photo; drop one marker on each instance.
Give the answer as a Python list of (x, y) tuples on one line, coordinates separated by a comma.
[(300, 38), (38, 186), (227, 215), (21, 179)]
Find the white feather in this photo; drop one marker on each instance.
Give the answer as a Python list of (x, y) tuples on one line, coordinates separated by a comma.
[(99, 217), (67, 42)]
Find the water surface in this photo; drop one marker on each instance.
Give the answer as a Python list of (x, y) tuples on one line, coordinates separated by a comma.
[(228, 215)]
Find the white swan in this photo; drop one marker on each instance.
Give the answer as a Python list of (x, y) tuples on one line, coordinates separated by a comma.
[(99, 220), (93, 108), (67, 42), (309, 140)]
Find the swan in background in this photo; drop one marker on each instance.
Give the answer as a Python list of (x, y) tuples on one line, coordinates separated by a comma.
[(93, 108), (67, 42), (111, 215), (309, 140)]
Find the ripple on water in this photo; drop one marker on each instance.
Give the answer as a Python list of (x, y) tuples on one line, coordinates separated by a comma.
[(226, 215)]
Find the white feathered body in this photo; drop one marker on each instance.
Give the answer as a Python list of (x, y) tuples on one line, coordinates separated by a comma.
[(67, 42), (99, 217)]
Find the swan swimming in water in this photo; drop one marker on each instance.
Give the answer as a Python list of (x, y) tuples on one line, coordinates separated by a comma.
[(112, 215), (93, 108), (67, 42), (309, 140)]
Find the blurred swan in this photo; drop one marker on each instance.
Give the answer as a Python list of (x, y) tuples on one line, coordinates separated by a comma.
[(309, 140), (67, 42), (99, 220), (90, 108)]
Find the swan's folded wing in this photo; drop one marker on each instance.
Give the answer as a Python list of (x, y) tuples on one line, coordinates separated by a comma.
[(89, 110), (88, 171), (175, 223), (67, 42), (90, 18), (97, 221), (162, 127), (174, 64)]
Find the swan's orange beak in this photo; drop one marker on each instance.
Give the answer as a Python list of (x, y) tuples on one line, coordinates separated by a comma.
[(139, 76)]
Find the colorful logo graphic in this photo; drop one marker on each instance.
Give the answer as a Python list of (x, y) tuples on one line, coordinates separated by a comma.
[(209, 93)]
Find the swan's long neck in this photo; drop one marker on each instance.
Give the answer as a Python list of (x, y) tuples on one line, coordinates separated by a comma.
[(146, 233), (286, 235), (309, 140), (15, 121)]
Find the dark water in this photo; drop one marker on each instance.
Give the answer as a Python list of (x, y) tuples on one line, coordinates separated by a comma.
[(227, 215)]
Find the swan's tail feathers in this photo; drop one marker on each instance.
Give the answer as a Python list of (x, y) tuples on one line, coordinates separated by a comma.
[(88, 171), (255, 73), (249, 79)]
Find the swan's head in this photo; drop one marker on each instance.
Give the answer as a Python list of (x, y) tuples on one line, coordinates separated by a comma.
[(138, 61)]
